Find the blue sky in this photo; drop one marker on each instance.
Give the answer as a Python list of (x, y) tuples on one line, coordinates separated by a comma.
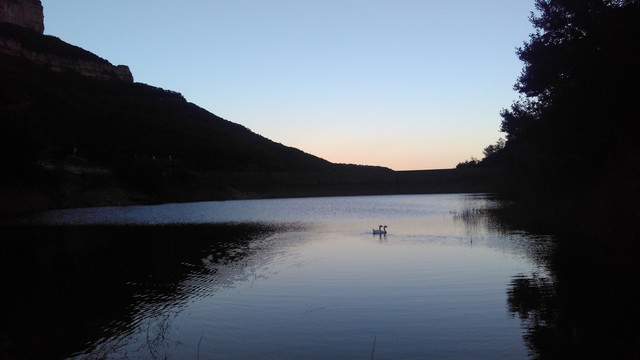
[(404, 84)]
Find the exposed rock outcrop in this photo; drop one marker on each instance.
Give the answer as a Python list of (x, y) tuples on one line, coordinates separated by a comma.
[(87, 64), (25, 13), (21, 35)]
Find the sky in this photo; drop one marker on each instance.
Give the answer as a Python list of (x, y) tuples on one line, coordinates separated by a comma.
[(405, 84)]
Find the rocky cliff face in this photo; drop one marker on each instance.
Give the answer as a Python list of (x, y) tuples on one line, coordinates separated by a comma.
[(87, 65), (25, 13), (18, 21)]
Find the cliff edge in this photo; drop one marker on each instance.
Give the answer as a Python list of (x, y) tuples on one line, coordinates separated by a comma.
[(21, 35), (25, 13)]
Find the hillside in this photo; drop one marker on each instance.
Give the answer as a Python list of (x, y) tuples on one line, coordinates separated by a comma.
[(76, 130), (64, 133)]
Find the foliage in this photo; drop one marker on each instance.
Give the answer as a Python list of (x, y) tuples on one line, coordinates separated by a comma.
[(577, 118), (468, 163), (493, 149), (571, 158)]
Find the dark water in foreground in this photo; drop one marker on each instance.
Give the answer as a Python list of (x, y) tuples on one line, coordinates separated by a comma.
[(280, 279)]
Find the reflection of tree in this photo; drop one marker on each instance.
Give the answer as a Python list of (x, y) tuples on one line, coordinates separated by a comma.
[(588, 309), (528, 297), (533, 300)]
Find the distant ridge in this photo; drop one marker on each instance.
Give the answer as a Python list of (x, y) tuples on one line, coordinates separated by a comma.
[(77, 131)]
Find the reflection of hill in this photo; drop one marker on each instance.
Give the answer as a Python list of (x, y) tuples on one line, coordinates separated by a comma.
[(66, 284)]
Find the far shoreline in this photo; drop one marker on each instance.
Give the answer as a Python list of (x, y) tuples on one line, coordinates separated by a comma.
[(20, 200)]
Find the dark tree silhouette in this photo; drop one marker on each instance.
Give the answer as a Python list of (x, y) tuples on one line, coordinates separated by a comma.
[(572, 145), (577, 118)]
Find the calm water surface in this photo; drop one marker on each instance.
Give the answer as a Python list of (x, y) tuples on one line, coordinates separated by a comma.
[(311, 282)]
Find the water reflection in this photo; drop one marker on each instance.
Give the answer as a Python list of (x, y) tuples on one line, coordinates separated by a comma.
[(70, 287), (582, 302), (587, 309), (312, 282)]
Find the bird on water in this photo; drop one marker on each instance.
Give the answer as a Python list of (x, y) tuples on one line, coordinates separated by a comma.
[(381, 230)]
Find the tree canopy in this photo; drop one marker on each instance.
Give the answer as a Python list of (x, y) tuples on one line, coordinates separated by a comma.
[(577, 116)]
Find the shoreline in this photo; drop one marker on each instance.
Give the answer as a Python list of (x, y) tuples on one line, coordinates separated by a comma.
[(19, 199)]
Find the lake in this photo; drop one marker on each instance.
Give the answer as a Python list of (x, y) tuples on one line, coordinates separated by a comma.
[(271, 279)]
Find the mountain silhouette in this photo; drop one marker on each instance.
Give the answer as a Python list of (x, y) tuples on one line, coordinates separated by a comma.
[(76, 130)]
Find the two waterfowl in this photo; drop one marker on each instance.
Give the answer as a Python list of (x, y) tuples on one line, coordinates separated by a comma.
[(381, 230)]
